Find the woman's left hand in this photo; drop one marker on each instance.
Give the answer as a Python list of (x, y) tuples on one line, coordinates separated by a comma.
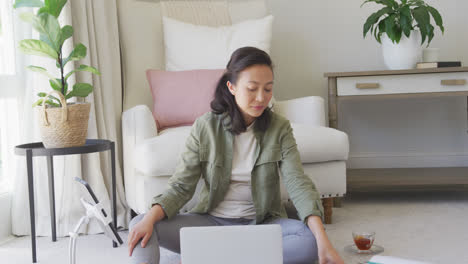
[(328, 255), (326, 252)]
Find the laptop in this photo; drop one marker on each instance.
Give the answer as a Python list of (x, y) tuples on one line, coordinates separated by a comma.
[(246, 244)]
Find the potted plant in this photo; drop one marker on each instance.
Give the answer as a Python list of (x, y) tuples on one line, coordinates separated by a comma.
[(402, 27), (62, 123)]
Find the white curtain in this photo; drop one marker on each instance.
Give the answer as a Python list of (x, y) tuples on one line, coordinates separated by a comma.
[(96, 26)]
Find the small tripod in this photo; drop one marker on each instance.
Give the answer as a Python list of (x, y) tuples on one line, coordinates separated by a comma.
[(92, 211)]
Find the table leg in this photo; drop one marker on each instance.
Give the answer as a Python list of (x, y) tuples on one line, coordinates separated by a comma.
[(50, 169), (114, 196), (332, 103), (29, 166), (328, 207)]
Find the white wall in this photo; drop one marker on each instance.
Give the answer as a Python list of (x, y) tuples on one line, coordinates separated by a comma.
[(314, 37)]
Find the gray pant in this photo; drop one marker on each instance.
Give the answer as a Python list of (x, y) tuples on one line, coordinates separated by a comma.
[(299, 245)]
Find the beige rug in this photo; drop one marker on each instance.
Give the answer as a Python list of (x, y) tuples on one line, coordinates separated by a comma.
[(428, 226)]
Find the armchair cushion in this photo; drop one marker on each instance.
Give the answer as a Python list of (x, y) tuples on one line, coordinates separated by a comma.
[(181, 97), (190, 46), (158, 156)]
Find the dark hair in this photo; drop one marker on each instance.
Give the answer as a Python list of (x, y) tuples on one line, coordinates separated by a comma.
[(224, 101)]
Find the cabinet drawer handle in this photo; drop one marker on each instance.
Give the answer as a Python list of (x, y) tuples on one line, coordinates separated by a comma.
[(367, 85), (453, 82)]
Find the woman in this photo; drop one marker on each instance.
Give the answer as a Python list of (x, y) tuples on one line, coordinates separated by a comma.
[(237, 149)]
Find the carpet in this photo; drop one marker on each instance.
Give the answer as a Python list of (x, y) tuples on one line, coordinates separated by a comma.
[(425, 226)]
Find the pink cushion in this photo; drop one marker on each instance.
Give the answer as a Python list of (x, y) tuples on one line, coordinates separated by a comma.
[(180, 97)]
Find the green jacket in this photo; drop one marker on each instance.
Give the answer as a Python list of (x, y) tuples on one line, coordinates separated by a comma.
[(208, 153)]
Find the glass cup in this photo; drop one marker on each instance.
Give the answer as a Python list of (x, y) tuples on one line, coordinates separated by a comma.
[(363, 240)]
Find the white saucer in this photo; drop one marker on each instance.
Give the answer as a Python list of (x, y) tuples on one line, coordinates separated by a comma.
[(375, 249)]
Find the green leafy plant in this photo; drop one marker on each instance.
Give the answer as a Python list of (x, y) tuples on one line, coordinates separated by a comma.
[(49, 44), (398, 18)]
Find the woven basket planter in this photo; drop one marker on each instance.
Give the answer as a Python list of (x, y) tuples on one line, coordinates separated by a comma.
[(65, 126)]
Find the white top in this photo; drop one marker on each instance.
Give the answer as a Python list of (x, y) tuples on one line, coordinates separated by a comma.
[(238, 201)]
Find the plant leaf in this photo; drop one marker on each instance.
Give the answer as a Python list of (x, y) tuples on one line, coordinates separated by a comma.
[(56, 84), (367, 1), (42, 71), (373, 18), (47, 26), (54, 7), (67, 32), (78, 53), (49, 102), (38, 102), (83, 68), (406, 11), (50, 96), (397, 33), (388, 3), (381, 30), (80, 90), (437, 18), (390, 27), (375, 30), (55, 99), (421, 15), (52, 30), (43, 10), (28, 3), (430, 33), (405, 24)]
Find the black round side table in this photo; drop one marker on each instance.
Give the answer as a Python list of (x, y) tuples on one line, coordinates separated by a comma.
[(37, 149)]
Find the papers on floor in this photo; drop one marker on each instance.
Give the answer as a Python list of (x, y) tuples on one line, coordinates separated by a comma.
[(393, 260)]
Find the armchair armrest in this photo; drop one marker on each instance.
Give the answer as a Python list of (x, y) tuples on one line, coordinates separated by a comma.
[(137, 125), (305, 110)]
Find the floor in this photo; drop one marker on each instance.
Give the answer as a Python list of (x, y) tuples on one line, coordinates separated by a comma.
[(426, 226)]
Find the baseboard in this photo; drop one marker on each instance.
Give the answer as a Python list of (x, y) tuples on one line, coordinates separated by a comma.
[(407, 179), (6, 239), (406, 160)]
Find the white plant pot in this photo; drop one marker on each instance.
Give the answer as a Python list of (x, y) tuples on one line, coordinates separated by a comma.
[(403, 55)]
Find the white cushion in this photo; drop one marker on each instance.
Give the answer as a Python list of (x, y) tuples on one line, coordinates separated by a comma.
[(190, 47), (159, 155)]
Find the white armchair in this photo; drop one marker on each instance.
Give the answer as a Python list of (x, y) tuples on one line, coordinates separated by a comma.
[(150, 157)]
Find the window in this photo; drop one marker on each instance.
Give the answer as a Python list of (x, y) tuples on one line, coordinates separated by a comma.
[(7, 44), (9, 87), (1, 162)]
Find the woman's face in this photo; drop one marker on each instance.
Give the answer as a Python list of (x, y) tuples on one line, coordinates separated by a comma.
[(253, 91)]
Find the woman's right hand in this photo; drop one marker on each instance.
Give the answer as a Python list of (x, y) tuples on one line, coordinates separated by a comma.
[(141, 231)]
